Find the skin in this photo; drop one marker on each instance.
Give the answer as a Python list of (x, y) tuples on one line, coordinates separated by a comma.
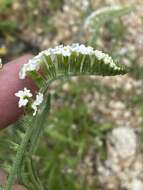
[(9, 85)]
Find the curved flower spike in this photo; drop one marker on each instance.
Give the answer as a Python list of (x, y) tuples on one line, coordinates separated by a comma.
[(70, 60), (49, 65), (64, 61)]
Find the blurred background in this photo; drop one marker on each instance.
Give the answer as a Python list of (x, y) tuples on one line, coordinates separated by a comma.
[(94, 135)]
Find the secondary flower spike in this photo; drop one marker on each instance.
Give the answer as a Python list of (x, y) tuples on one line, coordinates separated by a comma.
[(25, 99), (23, 95)]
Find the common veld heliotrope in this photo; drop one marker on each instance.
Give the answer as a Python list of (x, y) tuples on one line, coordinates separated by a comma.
[(43, 69)]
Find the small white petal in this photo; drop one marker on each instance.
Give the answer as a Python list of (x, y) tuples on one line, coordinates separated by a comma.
[(39, 98), (99, 54), (32, 65), (22, 102), (27, 92), (19, 93), (34, 107), (37, 102)]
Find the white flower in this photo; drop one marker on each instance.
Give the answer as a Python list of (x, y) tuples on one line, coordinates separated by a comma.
[(82, 49), (39, 99), (37, 102), (22, 102), (106, 58), (99, 54), (23, 93), (23, 97), (63, 50), (34, 107), (32, 65), (86, 50), (66, 51)]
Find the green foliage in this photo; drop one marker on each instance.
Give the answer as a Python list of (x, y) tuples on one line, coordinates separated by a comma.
[(80, 65), (99, 17), (66, 140), (23, 165)]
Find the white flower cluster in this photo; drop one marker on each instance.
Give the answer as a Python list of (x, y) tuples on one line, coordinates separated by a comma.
[(66, 51), (69, 49), (106, 58), (24, 98), (32, 65)]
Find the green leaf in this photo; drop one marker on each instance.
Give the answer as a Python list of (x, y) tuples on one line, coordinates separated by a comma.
[(37, 78), (99, 17)]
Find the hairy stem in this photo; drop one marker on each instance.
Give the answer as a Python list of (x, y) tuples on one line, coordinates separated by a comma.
[(35, 132), (18, 159), (39, 126)]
